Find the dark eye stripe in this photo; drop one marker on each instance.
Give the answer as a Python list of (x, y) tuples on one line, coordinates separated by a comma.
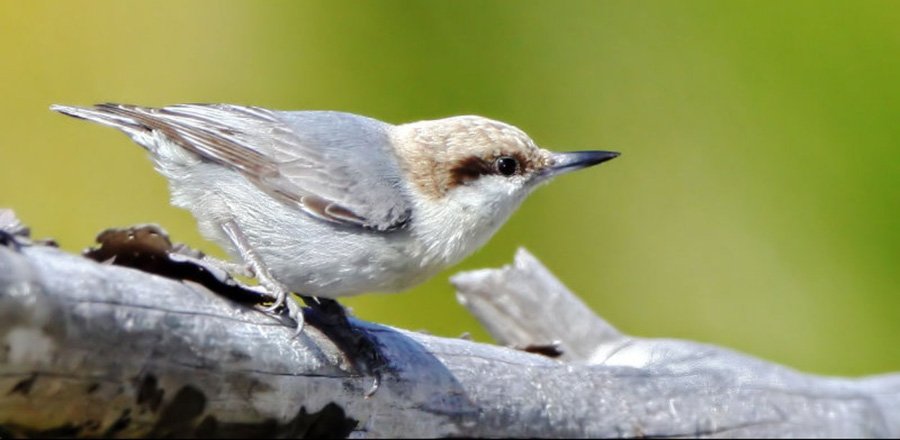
[(474, 167), (468, 170)]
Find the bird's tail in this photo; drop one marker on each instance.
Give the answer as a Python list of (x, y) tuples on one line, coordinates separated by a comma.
[(112, 115)]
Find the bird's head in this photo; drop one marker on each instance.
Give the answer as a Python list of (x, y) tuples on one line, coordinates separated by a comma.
[(470, 173), (470, 155)]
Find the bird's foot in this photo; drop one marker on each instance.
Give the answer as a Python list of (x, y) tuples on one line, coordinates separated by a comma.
[(277, 301), (255, 265)]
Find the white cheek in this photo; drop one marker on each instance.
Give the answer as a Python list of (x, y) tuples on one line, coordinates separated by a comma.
[(492, 192), (457, 224)]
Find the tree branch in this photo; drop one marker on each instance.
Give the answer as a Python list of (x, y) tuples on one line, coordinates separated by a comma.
[(90, 349)]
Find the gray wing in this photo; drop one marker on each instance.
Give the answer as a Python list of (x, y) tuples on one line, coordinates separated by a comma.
[(335, 166)]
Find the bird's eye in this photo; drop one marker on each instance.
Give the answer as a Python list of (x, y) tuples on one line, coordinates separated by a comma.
[(506, 165)]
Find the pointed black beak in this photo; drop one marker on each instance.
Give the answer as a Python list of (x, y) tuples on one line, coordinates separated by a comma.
[(576, 160)]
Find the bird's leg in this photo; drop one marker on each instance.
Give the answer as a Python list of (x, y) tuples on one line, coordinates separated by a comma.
[(281, 296), (329, 316), (363, 352)]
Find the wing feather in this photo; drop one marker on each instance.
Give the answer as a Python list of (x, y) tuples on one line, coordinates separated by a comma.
[(335, 166)]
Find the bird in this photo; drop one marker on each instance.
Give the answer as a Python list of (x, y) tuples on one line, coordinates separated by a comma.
[(330, 204)]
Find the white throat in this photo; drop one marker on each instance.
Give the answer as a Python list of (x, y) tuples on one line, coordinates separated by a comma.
[(453, 226)]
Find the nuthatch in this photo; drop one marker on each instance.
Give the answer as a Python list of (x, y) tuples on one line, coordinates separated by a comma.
[(331, 204)]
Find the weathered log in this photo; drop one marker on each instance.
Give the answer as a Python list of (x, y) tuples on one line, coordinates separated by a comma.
[(90, 349)]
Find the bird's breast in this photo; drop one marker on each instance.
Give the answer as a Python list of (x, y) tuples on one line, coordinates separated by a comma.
[(449, 229)]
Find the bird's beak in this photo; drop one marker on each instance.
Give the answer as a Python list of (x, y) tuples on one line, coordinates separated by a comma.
[(564, 162)]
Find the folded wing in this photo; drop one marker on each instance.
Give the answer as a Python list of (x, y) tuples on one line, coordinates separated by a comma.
[(337, 167)]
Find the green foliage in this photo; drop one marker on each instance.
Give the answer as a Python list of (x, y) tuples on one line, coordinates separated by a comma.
[(756, 204)]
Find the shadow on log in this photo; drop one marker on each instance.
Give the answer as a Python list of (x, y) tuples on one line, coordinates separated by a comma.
[(91, 349)]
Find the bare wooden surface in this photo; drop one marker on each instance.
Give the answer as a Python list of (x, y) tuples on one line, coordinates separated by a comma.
[(91, 349)]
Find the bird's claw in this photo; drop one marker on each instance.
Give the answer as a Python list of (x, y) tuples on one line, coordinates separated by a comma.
[(282, 298), (295, 312)]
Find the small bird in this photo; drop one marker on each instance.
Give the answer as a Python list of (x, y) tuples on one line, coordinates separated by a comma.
[(330, 204)]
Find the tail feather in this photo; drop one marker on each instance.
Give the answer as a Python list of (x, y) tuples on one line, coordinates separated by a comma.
[(110, 115)]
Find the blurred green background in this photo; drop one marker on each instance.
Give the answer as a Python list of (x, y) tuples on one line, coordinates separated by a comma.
[(756, 204)]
